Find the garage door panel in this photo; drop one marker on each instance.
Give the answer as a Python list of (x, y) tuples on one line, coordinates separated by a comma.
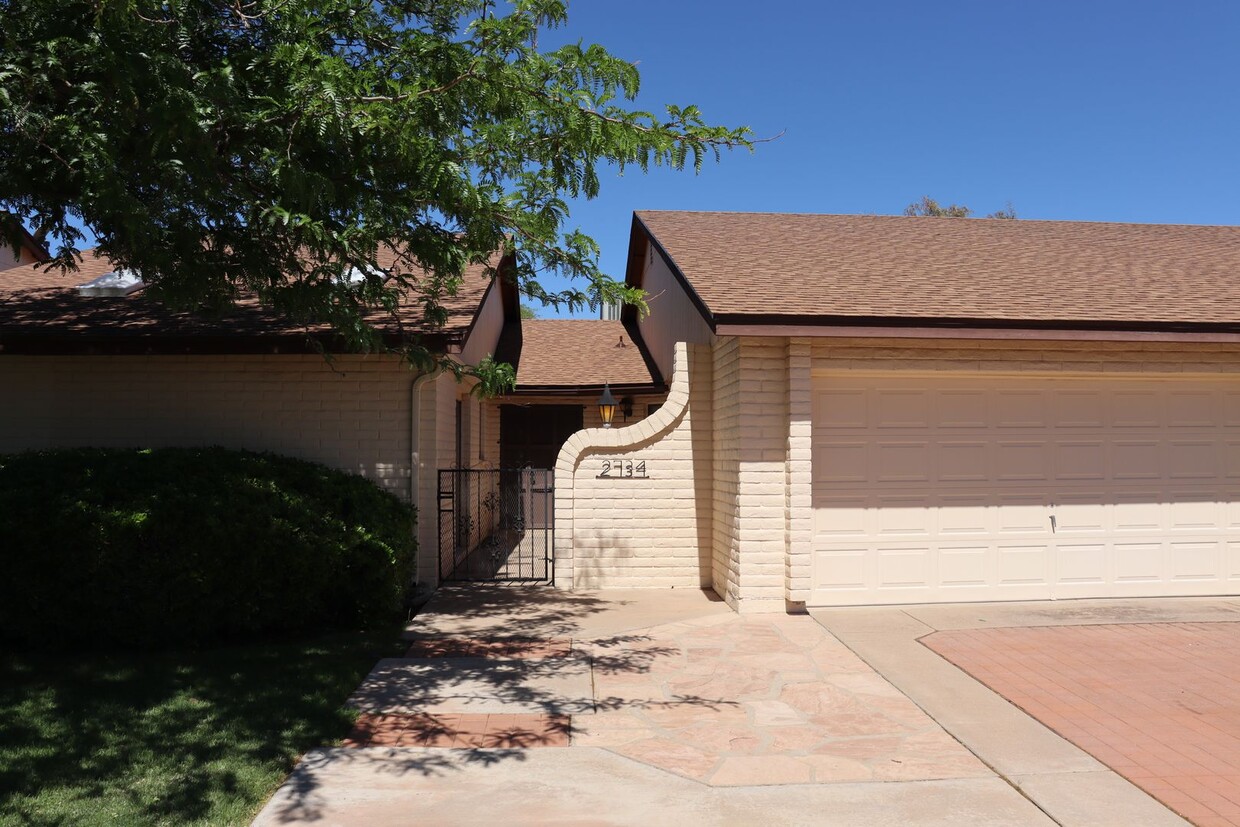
[(942, 488), (1231, 409), (1192, 410), (1082, 513), (1229, 454), (904, 516), (903, 567), (965, 514), (841, 409), (1077, 563), (962, 409), (1139, 562), (1231, 560), (1194, 512), (1022, 460), (1138, 512), (1079, 409), (960, 461), (1136, 460), (1021, 514), (1136, 409), (1023, 564), (901, 462), (841, 462), (1080, 460), (1191, 459), (1020, 409), (842, 570), (840, 516), (965, 566), (1194, 560), (901, 409)]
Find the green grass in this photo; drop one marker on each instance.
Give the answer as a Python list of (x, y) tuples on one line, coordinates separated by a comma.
[(199, 737)]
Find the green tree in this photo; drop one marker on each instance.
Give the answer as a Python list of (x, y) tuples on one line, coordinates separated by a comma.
[(928, 206), (274, 147), (527, 312)]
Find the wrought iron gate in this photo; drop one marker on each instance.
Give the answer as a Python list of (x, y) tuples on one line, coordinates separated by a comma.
[(497, 524)]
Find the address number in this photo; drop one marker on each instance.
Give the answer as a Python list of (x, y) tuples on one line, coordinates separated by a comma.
[(623, 469)]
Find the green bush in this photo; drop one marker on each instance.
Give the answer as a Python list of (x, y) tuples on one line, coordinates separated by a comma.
[(191, 546)]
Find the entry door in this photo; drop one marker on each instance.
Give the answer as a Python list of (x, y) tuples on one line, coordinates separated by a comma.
[(534, 434), (938, 487)]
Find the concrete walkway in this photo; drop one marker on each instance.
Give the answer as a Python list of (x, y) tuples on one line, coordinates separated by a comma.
[(675, 709)]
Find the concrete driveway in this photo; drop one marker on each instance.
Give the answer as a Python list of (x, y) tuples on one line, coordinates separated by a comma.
[(532, 706), (1146, 687)]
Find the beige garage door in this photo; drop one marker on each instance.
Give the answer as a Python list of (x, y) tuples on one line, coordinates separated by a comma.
[(936, 487)]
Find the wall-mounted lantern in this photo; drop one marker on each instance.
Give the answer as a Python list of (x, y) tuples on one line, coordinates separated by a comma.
[(606, 406)]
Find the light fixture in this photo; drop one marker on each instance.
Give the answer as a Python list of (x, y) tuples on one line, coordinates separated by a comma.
[(606, 406)]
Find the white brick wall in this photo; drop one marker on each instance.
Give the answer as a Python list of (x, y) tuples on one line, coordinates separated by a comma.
[(629, 533)]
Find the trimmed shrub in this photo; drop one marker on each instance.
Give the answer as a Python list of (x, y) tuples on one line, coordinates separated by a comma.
[(192, 546)]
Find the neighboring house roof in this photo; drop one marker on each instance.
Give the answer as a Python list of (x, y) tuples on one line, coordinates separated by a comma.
[(764, 268), (576, 355), (41, 311)]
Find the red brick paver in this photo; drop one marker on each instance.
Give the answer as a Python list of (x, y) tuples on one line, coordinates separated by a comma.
[(463, 730), (1158, 703)]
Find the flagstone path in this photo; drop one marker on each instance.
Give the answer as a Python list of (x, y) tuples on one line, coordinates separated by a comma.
[(725, 700)]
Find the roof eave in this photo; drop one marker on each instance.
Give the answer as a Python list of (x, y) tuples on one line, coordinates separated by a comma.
[(752, 324)]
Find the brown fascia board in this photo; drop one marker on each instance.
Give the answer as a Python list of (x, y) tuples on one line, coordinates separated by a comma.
[(198, 344), (509, 293), (640, 238), (948, 323), (635, 333), (584, 390)]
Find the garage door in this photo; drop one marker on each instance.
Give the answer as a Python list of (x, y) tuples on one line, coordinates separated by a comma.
[(936, 487)]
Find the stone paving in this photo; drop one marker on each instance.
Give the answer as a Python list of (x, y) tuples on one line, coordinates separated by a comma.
[(723, 699), (759, 700), (1159, 702)]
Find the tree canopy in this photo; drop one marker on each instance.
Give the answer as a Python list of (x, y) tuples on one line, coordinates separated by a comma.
[(273, 147), (928, 206)]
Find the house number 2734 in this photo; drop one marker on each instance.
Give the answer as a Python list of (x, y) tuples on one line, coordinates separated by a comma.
[(623, 469)]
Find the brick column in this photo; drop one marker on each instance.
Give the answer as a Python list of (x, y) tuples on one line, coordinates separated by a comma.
[(800, 477)]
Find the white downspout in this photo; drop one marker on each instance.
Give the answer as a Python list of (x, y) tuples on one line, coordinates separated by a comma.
[(415, 460)]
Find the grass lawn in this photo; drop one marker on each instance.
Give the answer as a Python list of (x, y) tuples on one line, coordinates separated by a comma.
[(193, 737)]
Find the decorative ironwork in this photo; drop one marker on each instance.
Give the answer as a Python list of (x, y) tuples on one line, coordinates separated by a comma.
[(497, 524)]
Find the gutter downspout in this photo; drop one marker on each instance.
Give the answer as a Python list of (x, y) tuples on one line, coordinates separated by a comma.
[(415, 459)]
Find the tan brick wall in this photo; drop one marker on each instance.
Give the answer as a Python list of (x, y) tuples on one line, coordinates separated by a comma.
[(762, 483), (632, 533), (352, 415), (800, 478), (726, 469)]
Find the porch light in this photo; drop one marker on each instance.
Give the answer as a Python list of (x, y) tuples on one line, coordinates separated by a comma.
[(606, 406)]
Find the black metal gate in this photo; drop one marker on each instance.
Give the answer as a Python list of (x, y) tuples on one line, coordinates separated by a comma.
[(497, 524)]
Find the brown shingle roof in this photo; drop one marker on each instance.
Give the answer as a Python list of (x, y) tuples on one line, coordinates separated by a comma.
[(844, 268), (575, 353), (41, 308)]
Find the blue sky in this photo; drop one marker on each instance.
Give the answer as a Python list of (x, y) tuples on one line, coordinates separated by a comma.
[(1101, 111)]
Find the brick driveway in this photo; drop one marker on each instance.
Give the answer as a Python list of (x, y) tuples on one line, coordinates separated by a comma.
[(1157, 702)]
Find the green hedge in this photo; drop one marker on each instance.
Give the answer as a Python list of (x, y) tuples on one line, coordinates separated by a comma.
[(191, 546)]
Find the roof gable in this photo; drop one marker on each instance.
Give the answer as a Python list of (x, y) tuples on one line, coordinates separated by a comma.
[(841, 269)]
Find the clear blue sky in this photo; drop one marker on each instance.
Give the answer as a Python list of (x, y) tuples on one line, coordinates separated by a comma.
[(1101, 111)]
